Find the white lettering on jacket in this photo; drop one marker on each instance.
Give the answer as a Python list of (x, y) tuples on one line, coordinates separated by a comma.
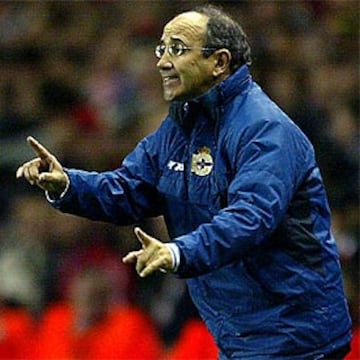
[(175, 166)]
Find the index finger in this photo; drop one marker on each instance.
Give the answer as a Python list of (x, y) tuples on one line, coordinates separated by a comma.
[(38, 148), (132, 256)]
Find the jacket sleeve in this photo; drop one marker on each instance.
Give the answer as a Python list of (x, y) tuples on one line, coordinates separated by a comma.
[(268, 163), (123, 196)]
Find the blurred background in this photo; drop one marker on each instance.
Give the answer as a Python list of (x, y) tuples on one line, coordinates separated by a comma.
[(81, 78)]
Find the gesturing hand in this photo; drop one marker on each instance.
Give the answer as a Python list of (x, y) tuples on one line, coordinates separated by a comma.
[(44, 171), (153, 256)]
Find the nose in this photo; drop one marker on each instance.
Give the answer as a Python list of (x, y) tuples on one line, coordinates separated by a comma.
[(164, 62)]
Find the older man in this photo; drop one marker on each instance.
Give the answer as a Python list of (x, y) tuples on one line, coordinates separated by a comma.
[(242, 196)]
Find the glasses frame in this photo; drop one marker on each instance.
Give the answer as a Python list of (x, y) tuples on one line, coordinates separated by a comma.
[(181, 49)]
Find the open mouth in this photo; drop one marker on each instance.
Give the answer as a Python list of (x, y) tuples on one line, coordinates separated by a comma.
[(170, 79)]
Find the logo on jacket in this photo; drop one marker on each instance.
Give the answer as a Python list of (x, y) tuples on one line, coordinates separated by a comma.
[(175, 166), (202, 162)]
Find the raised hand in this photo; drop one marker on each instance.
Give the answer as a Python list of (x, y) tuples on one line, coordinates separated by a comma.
[(45, 171), (153, 256)]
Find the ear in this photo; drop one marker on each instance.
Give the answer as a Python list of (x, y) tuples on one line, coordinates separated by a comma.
[(222, 59)]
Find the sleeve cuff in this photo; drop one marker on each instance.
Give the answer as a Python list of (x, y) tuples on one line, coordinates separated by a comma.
[(175, 254), (51, 198)]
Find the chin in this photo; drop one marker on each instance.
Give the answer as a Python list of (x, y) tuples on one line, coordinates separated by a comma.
[(168, 96), (172, 95), (178, 97)]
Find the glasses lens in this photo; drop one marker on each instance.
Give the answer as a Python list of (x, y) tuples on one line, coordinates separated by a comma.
[(176, 49), (159, 51)]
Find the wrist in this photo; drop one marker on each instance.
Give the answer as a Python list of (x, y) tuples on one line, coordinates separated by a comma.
[(59, 193), (175, 255)]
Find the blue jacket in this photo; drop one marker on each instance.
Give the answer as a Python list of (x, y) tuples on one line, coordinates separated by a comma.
[(243, 198)]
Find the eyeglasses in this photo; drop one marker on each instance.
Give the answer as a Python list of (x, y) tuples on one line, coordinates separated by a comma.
[(176, 49)]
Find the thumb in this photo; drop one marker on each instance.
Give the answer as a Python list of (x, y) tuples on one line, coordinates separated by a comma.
[(144, 238), (46, 177)]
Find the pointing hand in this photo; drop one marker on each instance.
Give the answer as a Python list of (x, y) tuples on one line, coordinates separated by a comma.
[(45, 171), (153, 256)]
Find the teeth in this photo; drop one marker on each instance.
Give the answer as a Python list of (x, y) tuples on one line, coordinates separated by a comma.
[(168, 79)]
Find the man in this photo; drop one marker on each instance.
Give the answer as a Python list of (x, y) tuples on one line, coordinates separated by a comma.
[(242, 196)]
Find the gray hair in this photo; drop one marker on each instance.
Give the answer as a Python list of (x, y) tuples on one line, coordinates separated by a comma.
[(224, 32)]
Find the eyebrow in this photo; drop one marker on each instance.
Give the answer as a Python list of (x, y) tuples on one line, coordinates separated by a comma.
[(173, 38)]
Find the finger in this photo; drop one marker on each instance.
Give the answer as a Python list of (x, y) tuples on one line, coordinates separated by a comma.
[(154, 255), (144, 238), (46, 181), (43, 153), (28, 176), (148, 255), (19, 172), (150, 268), (132, 256), (33, 170), (46, 177)]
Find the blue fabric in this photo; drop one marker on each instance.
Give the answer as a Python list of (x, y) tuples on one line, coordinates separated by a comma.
[(243, 198)]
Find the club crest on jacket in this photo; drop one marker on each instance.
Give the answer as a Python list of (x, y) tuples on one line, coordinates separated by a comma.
[(202, 162)]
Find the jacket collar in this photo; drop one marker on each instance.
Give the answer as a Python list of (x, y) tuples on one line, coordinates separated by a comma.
[(212, 101)]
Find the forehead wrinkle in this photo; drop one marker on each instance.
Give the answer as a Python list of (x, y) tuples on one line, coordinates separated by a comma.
[(185, 27)]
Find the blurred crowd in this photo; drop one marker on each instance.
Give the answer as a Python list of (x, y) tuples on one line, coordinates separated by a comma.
[(81, 78)]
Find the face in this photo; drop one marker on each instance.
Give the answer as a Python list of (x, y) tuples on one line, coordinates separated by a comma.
[(190, 74)]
